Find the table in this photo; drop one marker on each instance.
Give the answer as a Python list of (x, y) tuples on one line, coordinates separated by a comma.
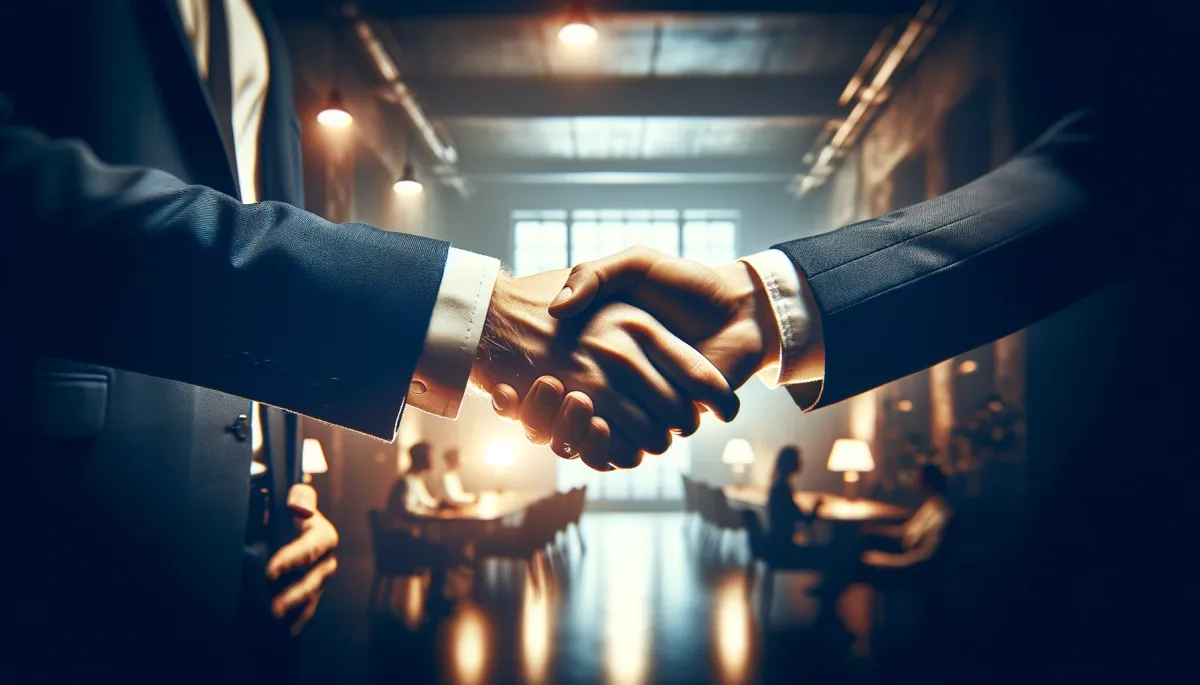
[(491, 507), (835, 508)]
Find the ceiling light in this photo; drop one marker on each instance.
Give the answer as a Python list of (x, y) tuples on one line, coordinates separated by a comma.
[(578, 29), (408, 184), (334, 115)]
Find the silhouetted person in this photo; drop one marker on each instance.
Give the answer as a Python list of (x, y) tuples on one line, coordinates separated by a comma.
[(783, 514), (910, 544), (452, 482), (410, 491)]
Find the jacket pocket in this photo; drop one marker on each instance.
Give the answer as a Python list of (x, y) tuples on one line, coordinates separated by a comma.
[(68, 399)]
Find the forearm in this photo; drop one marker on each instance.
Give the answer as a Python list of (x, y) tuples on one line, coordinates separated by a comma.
[(133, 268)]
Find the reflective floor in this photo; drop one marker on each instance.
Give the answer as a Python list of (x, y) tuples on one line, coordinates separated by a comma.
[(649, 602)]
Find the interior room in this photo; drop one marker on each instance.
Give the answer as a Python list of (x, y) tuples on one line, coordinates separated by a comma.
[(710, 134), (889, 532)]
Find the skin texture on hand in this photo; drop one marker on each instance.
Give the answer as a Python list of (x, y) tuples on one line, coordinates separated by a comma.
[(312, 551), (724, 312), (640, 378)]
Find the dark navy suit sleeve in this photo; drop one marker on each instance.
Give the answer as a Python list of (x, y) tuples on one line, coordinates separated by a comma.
[(906, 290), (132, 268)]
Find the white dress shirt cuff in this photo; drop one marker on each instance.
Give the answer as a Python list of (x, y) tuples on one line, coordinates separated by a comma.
[(440, 379), (802, 352)]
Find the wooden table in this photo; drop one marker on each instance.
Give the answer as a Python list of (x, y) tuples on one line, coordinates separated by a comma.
[(835, 508)]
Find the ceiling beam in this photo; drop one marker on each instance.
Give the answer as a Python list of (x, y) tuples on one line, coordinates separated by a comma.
[(494, 166), (417, 9), (789, 96)]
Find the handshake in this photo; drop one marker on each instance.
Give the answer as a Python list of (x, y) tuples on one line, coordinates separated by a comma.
[(606, 361)]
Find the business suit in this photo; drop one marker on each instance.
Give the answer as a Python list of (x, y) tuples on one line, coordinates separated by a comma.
[(141, 489)]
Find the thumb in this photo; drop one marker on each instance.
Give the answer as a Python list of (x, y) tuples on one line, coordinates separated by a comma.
[(604, 276), (302, 501)]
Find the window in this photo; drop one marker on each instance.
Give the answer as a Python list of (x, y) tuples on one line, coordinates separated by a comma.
[(555, 239)]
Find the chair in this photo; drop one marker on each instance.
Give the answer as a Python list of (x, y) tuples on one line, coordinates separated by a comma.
[(522, 542), (398, 553), (762, 553)]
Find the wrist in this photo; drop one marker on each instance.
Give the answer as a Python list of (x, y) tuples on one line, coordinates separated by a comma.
[(754, 313), (515, 331)]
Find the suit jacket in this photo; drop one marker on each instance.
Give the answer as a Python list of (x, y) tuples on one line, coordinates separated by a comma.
[(125, 247)]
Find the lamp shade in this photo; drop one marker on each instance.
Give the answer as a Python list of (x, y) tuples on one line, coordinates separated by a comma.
[(408, 185), (738, 451), (850, 455), (312, 457)]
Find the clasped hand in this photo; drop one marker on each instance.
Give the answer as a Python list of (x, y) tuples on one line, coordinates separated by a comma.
[(608, 361)]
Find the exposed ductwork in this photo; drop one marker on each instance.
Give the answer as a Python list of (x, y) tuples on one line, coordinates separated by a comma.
[(396, 91), (886, 56)]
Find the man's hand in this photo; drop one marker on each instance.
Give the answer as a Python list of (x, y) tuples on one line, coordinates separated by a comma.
[(312, 550), (724, 312), (640, 378)]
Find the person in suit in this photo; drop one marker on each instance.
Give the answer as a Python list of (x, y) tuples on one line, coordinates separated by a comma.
[(158, 269)]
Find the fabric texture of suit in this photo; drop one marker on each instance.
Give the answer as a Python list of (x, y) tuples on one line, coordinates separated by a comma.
[(127, 248)]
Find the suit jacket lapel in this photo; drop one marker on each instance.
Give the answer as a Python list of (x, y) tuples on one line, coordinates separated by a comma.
[(187, 97)]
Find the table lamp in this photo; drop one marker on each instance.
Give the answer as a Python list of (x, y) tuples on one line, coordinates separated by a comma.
[(851, 457), (739, 454), (312, 459)]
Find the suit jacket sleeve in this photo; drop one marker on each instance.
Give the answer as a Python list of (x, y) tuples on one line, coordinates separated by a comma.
[(132, 268), (906, 290)]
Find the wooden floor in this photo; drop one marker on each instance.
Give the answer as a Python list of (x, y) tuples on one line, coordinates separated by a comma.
[(648, 602)]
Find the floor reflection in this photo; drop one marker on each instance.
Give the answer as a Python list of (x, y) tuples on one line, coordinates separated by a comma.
[(647, 603), (731, 629)]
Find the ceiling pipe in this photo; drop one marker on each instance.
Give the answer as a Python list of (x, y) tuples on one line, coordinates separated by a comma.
[(397, 92), (873, 94)]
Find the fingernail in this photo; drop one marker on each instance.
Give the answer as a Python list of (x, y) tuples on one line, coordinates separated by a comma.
[(499, 402), (545, 395), (563, 296)]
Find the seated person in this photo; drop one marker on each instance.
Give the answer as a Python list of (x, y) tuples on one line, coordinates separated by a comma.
[(783, 514), (452, 483), (410, 492), (909, 544)]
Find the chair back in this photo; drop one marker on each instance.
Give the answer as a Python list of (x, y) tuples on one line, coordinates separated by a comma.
[(754, 531)]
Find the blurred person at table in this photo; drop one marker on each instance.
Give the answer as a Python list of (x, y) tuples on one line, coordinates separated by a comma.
[(909, 544), (783, 514), (410, 492), (452, 485)]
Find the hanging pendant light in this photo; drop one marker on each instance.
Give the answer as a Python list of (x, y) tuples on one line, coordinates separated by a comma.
[(578, 29), (408, 185), (333, 114)]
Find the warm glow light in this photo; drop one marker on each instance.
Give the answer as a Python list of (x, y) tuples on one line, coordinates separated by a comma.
[(414, 601), (851, 457), (968, 366), (731, 629), (470, 646), (578, 34), (536, 619), (407, 187), (739, 453), (312, 458), (904, 405), (257, 468), (499, 454), (334, 118)]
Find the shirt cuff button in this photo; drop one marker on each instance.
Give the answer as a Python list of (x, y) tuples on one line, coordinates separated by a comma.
[(416, 387)]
